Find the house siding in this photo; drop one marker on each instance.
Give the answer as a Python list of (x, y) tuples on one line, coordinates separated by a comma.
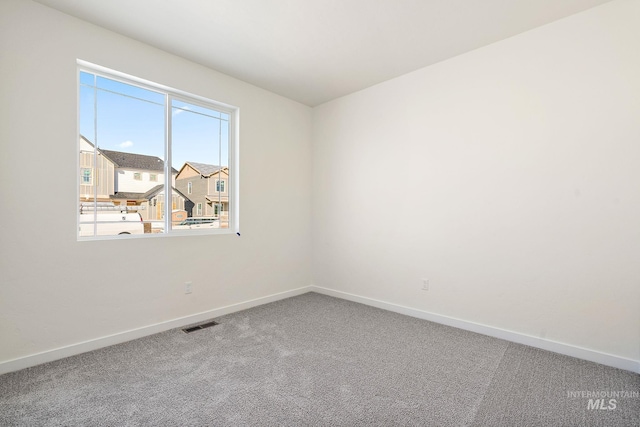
[(198, 194), (102, 175)]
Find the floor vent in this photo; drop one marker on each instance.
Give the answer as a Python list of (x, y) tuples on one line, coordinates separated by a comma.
[(198, 327)]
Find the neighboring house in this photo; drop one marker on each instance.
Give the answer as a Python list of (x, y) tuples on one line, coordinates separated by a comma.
[(207, 188), (154, 200), (137, 173), (127, 179)]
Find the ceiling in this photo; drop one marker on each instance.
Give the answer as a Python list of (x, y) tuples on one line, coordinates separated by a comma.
[(315, 51)]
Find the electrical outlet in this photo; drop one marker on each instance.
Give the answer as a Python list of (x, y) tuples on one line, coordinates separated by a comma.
[(188, 287), (425, 284)]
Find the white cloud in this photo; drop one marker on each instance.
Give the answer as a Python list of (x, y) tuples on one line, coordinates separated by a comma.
[(181, 110), (126, 144)]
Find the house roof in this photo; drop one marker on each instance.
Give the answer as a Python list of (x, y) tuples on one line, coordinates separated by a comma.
[(127, 195), (155, 190), (136, 161), (159, 188), (204, 169), (145, 196)]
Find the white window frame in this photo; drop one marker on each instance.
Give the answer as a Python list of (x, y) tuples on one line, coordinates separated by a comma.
[(189, 187), (170, 95), (224, 185), (198, 209), (137, 176), (153, 177)]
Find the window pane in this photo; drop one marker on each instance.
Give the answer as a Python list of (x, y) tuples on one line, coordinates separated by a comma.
[(200, 149), (87, 79), (122, 138)]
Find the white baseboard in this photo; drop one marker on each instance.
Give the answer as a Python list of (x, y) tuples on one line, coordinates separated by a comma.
[(94, 344), (556, 347)]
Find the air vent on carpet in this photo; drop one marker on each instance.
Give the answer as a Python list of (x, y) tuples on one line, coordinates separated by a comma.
[(198, 327)]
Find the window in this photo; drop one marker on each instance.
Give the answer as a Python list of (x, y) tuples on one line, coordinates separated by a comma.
[(85, 176), (123, 122)]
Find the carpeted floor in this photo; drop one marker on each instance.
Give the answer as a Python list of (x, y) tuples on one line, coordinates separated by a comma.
[(317, 360)]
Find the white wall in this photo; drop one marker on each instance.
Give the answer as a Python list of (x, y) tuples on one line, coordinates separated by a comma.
[(55, 291), (508, 176), (126, 182)]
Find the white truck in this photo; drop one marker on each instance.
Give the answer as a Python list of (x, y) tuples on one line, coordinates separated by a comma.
[(106, 219), (193, 223)]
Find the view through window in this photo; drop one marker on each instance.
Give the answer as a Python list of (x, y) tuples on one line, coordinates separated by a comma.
[(151, 160)]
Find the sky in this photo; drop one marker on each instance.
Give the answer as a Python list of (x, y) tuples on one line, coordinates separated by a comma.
[(131, 119)]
